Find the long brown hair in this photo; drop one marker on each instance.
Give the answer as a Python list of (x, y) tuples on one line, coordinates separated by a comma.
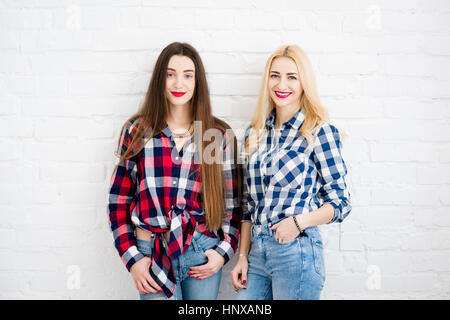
[(152, 115)]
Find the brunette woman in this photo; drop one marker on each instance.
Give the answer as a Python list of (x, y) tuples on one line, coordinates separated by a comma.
[(294, 181), (173, 213)]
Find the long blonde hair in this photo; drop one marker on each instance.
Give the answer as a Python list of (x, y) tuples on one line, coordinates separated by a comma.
[(313, 110)]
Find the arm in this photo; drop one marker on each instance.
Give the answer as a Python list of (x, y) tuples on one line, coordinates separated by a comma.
[(332, 173), (333, 191), (239, 273), (323, 215), (233, 212), (121, 199)]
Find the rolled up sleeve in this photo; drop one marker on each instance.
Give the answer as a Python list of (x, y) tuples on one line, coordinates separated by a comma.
[(332, 172), (233, 211), (121, 200)]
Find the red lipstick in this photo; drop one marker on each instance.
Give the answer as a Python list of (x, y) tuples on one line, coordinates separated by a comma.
[(177, 94), (282, 95)]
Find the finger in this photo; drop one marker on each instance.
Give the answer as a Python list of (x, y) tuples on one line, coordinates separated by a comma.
[(206, 273), (244, 277), (234, 276), (235, 281), (152, 282), (148, 287), (140, 288), (195, 274), (199, 269), (202, 274), (276, 236), (275, 226), (236, 287)]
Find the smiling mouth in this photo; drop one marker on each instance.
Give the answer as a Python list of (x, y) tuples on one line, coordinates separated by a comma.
[(177, 94), (282, 95)]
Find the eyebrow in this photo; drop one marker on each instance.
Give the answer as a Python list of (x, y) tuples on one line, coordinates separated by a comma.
[(290, 73), (189, 70)]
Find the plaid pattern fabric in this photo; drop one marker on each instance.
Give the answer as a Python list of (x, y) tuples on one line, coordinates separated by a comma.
[(284, 178), (159, 189)]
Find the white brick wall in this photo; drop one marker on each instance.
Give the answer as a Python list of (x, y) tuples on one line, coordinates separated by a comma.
[(71, 71)]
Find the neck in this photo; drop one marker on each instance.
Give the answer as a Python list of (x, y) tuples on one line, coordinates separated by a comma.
[(179, 116), (284, 114)]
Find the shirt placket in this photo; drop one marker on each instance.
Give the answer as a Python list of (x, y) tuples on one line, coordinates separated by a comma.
[(273, 150)]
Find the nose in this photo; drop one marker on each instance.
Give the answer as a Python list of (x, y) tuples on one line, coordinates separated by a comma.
[(282, 84), (178, 82)]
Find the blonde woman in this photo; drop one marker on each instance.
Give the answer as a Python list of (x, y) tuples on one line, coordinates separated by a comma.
[(294, 181)]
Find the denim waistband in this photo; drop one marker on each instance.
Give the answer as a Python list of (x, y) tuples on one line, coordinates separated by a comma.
[(264, 229)]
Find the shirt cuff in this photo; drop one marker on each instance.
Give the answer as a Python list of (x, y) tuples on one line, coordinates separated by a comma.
[(131, 256), (337, 212), (246, 216), (225, 249)]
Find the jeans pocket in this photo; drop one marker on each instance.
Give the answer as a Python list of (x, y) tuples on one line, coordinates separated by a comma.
[(289, 242), (145, 247), (204, 242), (319, 263)]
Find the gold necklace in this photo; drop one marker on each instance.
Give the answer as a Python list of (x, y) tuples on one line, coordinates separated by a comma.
[(185, 134)]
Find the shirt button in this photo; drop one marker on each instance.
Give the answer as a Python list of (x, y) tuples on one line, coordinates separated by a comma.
[(176, 158), (174, 182)]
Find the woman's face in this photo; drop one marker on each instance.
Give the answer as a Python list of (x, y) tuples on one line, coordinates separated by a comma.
[(180, 80), (284, 83)]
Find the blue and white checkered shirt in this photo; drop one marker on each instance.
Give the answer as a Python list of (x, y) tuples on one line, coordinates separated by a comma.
[(284, 178)]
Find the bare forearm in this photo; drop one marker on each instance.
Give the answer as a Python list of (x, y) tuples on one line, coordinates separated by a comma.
[(317, 217), (245, 238)]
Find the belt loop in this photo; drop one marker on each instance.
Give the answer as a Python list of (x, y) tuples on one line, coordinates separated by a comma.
[(254, 232), (269, 230), (195, 245)]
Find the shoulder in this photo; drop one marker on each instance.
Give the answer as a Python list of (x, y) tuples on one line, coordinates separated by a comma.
[(130, 129), (136, 125), (130, 126), (327, 136), (327, 131), (248, 130)]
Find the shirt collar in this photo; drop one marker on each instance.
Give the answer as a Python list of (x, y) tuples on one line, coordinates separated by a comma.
[(295, 122), (167, 131)]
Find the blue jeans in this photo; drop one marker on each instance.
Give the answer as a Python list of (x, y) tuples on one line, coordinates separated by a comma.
[(188, 288), (284, 271)]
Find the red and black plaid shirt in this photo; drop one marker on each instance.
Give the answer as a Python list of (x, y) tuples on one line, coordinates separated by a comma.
[(159, 189)]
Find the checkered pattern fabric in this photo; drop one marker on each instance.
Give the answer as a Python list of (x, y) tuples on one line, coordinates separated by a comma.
[(159, 189), (284, 178)]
